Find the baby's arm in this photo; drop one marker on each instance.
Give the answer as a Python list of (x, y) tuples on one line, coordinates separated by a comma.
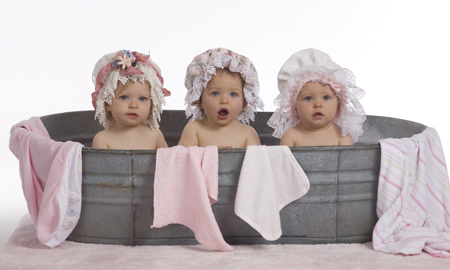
[(99, 141), (189, 136), (161, 141), (252, 137)]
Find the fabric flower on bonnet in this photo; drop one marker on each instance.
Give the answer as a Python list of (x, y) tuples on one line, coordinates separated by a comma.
[(200, 71), (314, 65)]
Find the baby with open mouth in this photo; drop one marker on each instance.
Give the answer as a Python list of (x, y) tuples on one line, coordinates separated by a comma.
[(223, 95), (318, 102)]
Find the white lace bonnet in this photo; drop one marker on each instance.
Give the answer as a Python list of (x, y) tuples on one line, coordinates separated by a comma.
[(313, 65), (204, 65), (122, 66)]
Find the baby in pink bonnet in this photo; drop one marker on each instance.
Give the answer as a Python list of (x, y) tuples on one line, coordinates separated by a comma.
[(223, 95), (128, 100), (318, 102)]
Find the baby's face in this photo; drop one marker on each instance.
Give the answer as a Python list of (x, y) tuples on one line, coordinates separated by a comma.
[(223, 98), (131, 104), (317, 105)]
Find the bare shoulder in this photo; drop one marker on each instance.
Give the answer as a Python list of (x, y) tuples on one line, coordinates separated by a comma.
[(291, 136), (100, 140), (189, 136), (247, 129), (251, 136), (195, 124), (346, 140), (343, 140)]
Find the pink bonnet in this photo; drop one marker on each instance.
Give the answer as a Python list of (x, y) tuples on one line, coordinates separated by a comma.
[(122, 66), (200, 71), (314, 65)]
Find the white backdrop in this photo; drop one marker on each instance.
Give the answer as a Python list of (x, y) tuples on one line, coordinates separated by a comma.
[(398, 50)]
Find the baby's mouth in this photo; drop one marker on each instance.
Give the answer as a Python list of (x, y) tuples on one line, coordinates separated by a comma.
[(223, 112), (318, 115)]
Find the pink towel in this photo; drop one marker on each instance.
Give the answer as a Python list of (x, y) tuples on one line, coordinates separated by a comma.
[(270, 179), (413, 203), (186, 184), (51, 180)]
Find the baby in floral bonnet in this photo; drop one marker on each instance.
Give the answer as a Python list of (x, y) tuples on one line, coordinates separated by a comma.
[(128, 100), (318, 102), (223, 95)]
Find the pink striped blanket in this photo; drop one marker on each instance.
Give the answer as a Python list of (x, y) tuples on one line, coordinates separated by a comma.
[(413, 203)]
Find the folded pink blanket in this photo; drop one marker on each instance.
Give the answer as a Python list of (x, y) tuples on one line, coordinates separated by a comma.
[(51, 180), (270, 179), (186, 184), (413, 203)]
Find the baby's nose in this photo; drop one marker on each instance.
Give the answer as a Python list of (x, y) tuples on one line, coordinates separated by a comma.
[(224, 99), (133, 104), (317, 104)]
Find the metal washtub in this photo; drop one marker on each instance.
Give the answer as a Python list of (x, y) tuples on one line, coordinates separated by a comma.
[(117, 190)]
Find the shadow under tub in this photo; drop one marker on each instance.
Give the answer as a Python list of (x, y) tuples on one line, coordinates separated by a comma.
[(117, 190)]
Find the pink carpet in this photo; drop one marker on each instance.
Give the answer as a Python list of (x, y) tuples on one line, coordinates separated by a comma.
[(23, 251)]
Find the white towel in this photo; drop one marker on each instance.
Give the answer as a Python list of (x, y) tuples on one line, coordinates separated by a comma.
[(270, 179)]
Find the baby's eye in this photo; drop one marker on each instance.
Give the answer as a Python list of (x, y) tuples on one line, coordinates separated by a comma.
[(142, 98), (308, 98), (326, 97), (123, 97), (215, 93), (233, 94)]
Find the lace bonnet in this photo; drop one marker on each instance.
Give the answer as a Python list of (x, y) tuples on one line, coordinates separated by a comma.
[(313, 65), (123, 66), (200, 71)]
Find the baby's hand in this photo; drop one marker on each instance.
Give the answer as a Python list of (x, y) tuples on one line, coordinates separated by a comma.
[(224, 146)]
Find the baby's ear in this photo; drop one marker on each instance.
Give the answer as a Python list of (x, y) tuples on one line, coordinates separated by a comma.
[(244, 105), (107, 107), (199, 103)]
